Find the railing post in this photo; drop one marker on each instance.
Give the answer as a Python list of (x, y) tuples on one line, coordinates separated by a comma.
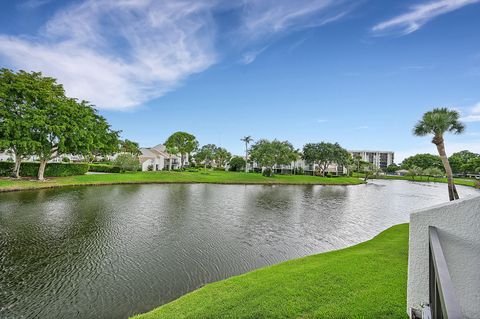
[(443, 303)]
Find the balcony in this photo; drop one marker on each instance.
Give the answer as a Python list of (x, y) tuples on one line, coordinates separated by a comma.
[(443, 263)]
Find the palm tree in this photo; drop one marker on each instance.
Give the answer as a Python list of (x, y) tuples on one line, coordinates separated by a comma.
[(247, 139), (438, 122)]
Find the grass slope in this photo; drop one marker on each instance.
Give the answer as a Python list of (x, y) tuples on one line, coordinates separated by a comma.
[(364, 281), (217, 177)]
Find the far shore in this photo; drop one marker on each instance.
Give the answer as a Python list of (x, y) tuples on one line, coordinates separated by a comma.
[(173, 177)]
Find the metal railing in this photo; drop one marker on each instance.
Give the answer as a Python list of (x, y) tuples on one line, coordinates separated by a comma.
[(443, 303)]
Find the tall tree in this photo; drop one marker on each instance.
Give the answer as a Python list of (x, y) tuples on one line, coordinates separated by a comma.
[(205, 155), (324, 154), (268, 154), (423, 161), (247, 140), (181, 143), (66, 126), (461, 161), (17, 97), (131, 147), (437, 122), (222, 156)]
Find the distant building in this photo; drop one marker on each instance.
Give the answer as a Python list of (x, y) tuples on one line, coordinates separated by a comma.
[(158, 159), (381, 159), (308, 169)]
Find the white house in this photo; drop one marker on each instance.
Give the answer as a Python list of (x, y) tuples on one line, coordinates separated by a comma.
[(157, 159)]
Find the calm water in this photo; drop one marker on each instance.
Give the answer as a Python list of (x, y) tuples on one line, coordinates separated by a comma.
[(114, 251)]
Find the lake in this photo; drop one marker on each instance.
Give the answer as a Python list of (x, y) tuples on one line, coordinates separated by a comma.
[(115, 251)]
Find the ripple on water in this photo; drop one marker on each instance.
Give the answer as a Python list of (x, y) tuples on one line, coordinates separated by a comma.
[(115, 251)]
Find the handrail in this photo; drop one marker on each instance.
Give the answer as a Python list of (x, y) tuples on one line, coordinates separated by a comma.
[(443, 303)]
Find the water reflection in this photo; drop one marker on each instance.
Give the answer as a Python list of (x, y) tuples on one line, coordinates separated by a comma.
[(93, 252)]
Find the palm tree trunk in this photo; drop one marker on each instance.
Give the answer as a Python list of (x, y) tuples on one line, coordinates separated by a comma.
[(246, 157), (452, 190)]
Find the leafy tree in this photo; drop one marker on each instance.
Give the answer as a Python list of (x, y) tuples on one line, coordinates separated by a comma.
[(237, 164), (438, 122), (65, 126), (247, 140), (205, 155), (463, 162), (357, 160), (324, 154), (131, 147), (221, 156), (415, 171), (267, 154), (183, 143), (127, 162), (392, 168), (423, 161), (369, 170), (432, 172), (17, 98)]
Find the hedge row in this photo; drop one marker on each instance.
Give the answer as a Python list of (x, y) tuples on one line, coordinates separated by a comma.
[(104, 168), (52, 169)]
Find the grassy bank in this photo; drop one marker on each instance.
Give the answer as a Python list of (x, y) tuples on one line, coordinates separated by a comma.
[(218, 177), (458, 181), (364, 281)]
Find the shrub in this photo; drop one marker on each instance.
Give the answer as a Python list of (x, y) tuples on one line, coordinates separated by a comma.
[(65, 160), (150, 168), (103, 168), (237, 164), (219, 169), (127, 162), (52, 169), (267, 172), (298, 171)]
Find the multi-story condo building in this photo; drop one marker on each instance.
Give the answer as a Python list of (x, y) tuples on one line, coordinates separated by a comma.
[(381, 159)]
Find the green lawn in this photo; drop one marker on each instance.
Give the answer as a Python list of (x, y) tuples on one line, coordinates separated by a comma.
[(218, 177), (368, 280)]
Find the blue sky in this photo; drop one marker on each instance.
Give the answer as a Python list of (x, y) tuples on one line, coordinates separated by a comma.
[(360, 73)]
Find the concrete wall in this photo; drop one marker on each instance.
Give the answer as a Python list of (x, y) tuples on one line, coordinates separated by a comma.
[(458, 225)]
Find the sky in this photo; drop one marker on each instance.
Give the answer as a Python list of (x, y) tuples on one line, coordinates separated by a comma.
[(357, 72)]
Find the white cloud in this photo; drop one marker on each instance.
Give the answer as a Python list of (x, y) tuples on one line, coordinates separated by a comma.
[(267, 17), (419, 15), (250, 56), (119, 54), (473, 115)]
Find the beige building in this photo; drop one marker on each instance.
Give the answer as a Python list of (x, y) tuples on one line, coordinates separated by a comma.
[(381, 159)]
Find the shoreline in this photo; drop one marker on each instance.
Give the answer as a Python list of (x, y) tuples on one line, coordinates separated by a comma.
[(218, 178)]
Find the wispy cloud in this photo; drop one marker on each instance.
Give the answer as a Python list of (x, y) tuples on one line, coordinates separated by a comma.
[(267, 17), (250, 56), (419, 15), (362, 127), (33, 4), (473, 114), (120, 53)]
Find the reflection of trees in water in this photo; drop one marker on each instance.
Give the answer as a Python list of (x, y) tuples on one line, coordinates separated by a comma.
[(59, 237)]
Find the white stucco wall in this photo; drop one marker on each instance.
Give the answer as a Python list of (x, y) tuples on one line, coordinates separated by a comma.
[(458, 225)]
